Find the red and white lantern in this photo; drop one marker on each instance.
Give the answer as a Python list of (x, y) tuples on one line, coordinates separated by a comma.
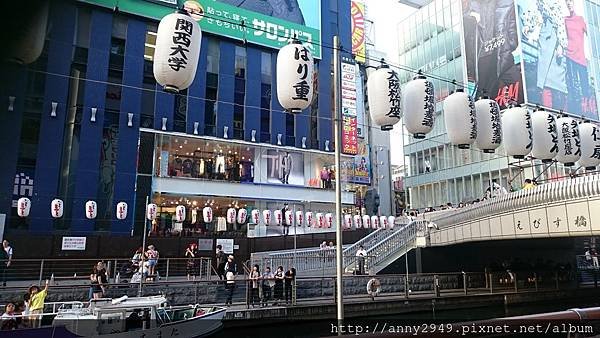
[(180, 213), (255, 216), (320, 220), (231, 215), (310, 219), (348, 221), (358, 221), (383, 222), (91, 209), (151, 211), (278, 217), (267, 217), (375, 222), (121, 210), (23, 206), (242, 215), (329, 220), (207, 214), (391, 221), (289, 218), (299, 218), (57, 208), (366, 221)]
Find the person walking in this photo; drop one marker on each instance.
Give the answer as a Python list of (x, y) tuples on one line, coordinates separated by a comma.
[(220, 259), (191, 253), (36, 304), (8, 253), (268, 281), (360, 260), (230, 272), (254, 277), (290, 278), (152, 255), (278, 292)]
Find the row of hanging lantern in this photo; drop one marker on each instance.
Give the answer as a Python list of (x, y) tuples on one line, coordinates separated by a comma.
[(57, 208)]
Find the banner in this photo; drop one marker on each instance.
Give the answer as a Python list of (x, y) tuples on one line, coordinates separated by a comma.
[(269, 23), (359, 46), (349, 125), (362, 165), (492, 50), (558, 54)]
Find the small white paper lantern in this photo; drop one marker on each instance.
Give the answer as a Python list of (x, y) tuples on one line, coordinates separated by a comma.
[(177, 51), (231, 215), (545, 136), (383, 222), (309, 219), (289, 218), (180, 213), (121, 210), (56, 208), (385, 101), (242, 215), (255, 215), (329, 220), (489, 125), (358, 221), (151, 211), (366, 221), (347, 221), (569, 143), (375, 222), (299, 218), (207, 214), (23, 206), (267, 217), (391, 221), (590, 145), (194, 215), (517, 134), (460, 118), (91, 209), (418, 106), (278, 217), (295, 68), (320, 220)]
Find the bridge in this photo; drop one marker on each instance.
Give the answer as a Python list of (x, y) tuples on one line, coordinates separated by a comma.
[(567, 208)]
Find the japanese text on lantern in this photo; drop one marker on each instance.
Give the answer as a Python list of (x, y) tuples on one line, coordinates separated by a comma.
[(302, 88), (181, 42), (394, 95)]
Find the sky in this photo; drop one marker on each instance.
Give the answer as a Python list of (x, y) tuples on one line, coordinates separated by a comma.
[(386, 14)]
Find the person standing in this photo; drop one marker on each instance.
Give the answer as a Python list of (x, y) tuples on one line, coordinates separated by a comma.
[(220, 258), (577, 73), (268, 282), (290, 279), (191, 253), (36, 303), (230, 272), (286, 227), (279, 277), (588, 257), (360, 259), (254, 277), (96, 288), (8, 253), (152, 255), (9, 321), (286, 167), (528, 184), (595, 259)]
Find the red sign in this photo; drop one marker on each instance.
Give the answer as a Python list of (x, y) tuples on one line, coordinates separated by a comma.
[(349, 136)]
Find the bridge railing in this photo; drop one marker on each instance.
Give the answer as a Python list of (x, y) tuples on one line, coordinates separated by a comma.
[(579, 187)]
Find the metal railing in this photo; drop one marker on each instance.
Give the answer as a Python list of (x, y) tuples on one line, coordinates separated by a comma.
[(580, 187)]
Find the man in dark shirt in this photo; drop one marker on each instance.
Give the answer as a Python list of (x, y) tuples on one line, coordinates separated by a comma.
[(290, 277)]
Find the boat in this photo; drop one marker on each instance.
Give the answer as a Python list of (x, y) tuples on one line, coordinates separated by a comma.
[(127, 317)]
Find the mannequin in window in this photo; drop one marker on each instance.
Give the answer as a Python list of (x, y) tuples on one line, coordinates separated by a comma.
[(324, 177), (286, 167), (208, 168), (247, 171), (187, 167), (220, 167)]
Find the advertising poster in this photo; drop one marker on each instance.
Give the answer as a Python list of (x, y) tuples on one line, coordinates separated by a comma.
[(492, 50), (362, 165), (270, 23), (557, 52), (349, 108), (359, 46), (284, 167)]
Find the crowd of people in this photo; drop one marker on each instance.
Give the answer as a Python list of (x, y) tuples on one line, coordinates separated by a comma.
[(27, 312)]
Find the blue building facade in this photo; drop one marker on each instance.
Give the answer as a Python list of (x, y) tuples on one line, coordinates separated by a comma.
[(87, 121)]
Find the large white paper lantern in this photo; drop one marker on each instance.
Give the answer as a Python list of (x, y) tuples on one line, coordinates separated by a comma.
[(231, 215), (309, 219), (375, 222), (295, 68), (289, 218), (180, 213), (207, 214), (121, 210), (358, 221), (569, 143), (91, 209), (267, 217), (177, 51), (255, 215), (242, 215), (489, 125), (590, 145), (418, 106), (23, 206), (278, 217), (545, 136), (391, 222), (460, 118), (385, 101), (517, 134), (299, 218), (383, 222), (366, 221), (194, 216), (329, 220), (347, 221), (151, 211), (29, 39), (320, 220), (57, 208)]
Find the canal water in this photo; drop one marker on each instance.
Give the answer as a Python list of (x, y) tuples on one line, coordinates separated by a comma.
[(321, 328)]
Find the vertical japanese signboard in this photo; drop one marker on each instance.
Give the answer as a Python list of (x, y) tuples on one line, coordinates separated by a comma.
[(359, 47), (349, 126)]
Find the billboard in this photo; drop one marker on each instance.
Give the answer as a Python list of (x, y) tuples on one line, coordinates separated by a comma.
[(361, 173), (492, 50), (558, 55), (359, 46), (349, 106), (270, 23), (284, 167)]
